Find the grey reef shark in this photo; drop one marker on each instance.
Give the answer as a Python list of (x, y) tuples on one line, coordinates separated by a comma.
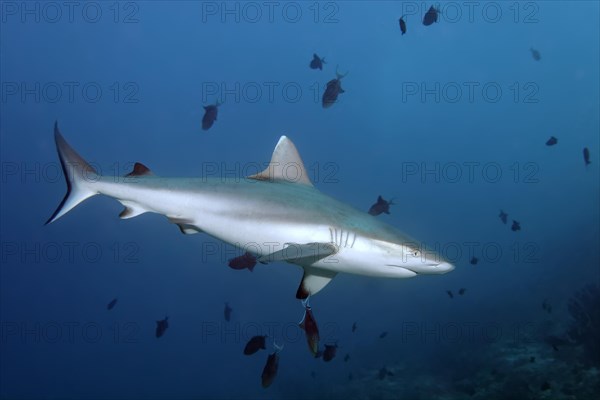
[(278, 217)]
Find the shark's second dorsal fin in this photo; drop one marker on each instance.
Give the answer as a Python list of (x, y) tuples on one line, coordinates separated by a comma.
[(286, 165), (139, 169)]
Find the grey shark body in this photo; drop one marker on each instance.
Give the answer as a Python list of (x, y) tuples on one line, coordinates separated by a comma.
[(272, 214)]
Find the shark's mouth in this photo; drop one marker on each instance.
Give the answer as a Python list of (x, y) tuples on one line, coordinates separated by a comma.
[(402, 267)]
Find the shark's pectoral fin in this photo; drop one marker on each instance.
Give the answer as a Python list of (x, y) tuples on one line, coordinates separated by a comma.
[(186, 226), (302, 254), (313, 281), (286, 165), (131, 210)]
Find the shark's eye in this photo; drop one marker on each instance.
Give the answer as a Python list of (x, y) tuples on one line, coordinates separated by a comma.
[(416, 253)]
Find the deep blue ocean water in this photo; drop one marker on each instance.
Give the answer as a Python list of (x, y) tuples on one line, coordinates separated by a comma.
[(450, 120)]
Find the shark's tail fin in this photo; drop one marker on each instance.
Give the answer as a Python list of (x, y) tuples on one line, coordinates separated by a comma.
[(78, 174)]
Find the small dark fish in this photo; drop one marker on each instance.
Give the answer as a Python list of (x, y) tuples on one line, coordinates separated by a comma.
[(350, 377), (546, 306), (382, 335), (383, 373), (586, 156), (346, 357), (309, 325), (532, 359), (535, 54), (450, 294), (227, 312), (516, 226), (382, 206), (313, 374), (161, 326), (270, 369), (329, 352), (545, 386), (552, 141), (210, 115), (317, 62), (255, 344), (112, 303), (503, 216), (354, 327), (474, 260), (555, 341), (431, 16), (247, 260), (462, 291), (402, 25), (333, 90)]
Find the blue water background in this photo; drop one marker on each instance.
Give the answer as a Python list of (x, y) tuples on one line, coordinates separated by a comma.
[(167, 63)]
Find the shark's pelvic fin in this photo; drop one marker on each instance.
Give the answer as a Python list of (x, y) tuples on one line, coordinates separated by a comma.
[(286, 165), (186, 226), (77, 173), (313, 281), (188, 229), (301, 254)]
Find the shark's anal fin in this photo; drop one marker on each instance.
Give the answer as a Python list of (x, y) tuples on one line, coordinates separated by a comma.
[(285, 166), (131, 210), (313, 281), (185, 225), (301, 254)]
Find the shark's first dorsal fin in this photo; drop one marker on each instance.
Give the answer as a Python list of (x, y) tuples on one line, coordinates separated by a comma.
[(286, 165), (139, 169)]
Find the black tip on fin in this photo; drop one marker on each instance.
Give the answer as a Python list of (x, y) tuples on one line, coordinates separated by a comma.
[(139, 169), (302, 293)]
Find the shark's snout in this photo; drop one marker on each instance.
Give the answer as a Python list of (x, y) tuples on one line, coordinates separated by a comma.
[(444, 267)]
